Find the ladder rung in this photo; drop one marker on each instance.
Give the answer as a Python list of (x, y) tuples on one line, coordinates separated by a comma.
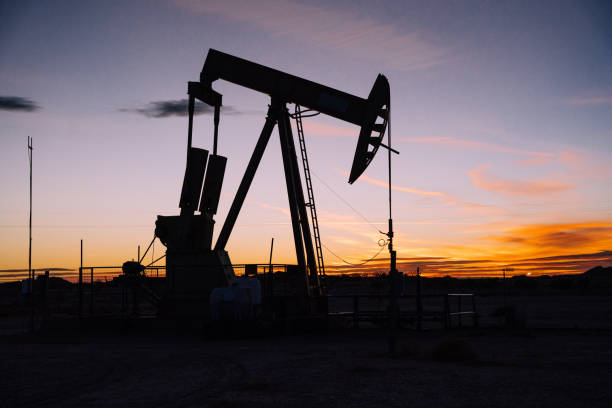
[(311, 201)]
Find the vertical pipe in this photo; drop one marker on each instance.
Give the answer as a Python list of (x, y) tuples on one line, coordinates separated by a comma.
[(217, 109), (504, 286), (291, 193), (30, 272), (190, 128), (91, 291), (356, 312), (460, 310), (139, 254), (30, 155), (32, 299), (419, 301), (474, 315), (81, 282), (394, 312)]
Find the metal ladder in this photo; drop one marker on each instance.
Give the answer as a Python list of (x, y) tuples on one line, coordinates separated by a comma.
[(311, 200)]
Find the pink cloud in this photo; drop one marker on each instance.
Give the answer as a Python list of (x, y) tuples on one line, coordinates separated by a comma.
[(482, 179), (586, 165), (535, 161), (323, 129), (478, 146), (275, 208), (446, 198), (592, 100), (329, 28)]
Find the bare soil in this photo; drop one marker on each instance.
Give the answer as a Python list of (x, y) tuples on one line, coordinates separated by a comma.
[(350, 368)]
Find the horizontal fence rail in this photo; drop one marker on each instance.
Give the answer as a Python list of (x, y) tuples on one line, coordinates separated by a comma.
[(373, 308)]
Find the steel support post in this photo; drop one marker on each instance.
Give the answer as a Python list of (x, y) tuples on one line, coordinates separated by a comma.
[(291, 190), (301, 202), (190, 128), (245, 184)]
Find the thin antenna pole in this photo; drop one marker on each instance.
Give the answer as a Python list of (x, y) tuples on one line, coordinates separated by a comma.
[(270, 280), (393, 309), (389, 158), (30, 151), (271, 249)]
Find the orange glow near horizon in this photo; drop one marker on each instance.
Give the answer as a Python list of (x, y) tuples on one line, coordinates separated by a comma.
[(536, 249)]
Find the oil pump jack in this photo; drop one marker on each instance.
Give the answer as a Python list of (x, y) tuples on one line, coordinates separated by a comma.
[(193, 266)]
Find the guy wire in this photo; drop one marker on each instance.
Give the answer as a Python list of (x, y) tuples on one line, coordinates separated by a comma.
[(347, 203), (355, 264)]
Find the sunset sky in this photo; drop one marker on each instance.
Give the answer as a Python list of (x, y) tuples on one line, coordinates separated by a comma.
[(502, 112)]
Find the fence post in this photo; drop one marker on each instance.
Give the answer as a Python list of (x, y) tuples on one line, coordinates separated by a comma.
[(447, 321), (356, 312), (474, 314), (419, 301), (43, 297), (80, 291), (91, 291), (459, 300)]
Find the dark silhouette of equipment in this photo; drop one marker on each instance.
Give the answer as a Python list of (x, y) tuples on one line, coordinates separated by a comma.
[(311, 201), (194, 266)]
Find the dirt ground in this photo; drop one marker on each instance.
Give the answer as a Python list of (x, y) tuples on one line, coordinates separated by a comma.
[(350, 368)]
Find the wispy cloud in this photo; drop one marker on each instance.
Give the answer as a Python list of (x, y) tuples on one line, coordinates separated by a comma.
[(446, 198), (477, 146), (586, 165), (557, 236), (590, 100), (326, 130), (329, 28), (179, 107), (17, 103), (282, 210), (441, 266), (483, 179)]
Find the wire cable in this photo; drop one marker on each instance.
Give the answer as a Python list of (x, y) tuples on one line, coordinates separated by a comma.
[(161, 257), (348, 204), (356, 264), (149, 247)]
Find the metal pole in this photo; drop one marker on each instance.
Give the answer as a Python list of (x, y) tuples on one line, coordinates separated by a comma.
[(217, 109), (190, 129), (292, 196), (393, 307), (311, 259), (419, 299), (30, 274), (355, 312), (270, 271), (504, 285), (81, 282), (247, 178), (138, 254), (91, 291)]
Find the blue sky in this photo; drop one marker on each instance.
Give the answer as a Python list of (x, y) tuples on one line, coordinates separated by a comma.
[(503, 109)]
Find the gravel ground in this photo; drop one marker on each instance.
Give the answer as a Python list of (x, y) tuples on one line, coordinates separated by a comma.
[(340, 369)]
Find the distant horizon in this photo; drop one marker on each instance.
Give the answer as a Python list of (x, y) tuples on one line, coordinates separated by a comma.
[(430, 267)]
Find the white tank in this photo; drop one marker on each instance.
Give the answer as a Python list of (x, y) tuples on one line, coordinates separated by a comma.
[(236, 302)]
